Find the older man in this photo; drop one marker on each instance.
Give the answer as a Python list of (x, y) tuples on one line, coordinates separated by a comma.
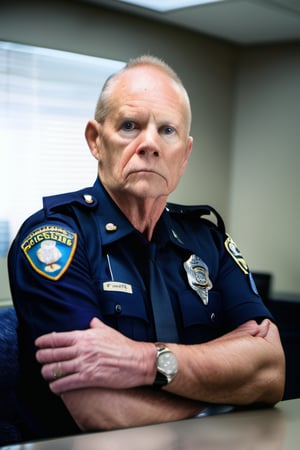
[(142, 311)]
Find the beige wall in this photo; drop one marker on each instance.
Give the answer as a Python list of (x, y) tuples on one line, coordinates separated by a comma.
[(209, 69), (205, 66), (265, 173)]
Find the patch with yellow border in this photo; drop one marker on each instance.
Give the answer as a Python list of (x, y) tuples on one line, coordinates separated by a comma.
[(50, 250), (235, 253)]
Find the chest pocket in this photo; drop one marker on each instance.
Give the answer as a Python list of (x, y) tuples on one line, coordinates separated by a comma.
[(201, 323), (126, 312)]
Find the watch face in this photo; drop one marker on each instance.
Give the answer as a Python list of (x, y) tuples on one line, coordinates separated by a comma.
[(167, 363)]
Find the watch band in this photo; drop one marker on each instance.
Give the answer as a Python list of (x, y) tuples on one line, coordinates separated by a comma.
[(160, 380)]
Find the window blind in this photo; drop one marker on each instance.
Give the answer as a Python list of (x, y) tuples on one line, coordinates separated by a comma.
[(46, 98)]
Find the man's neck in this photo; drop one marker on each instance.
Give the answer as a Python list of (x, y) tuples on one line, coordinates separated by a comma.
[(142, 213)]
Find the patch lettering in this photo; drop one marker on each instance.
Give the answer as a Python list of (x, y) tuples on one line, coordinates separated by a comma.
[(50, 250)]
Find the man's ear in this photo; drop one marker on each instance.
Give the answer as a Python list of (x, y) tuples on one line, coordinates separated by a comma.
[(92, 136), (189, 147), (188, 152)]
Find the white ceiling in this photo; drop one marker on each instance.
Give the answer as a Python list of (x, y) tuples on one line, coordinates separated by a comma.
[(244, 22)]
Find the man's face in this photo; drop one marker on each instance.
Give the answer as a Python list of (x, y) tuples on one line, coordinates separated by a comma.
[(143, 144)]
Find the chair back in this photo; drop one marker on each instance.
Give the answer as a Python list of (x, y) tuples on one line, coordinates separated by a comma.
[(9, 372)]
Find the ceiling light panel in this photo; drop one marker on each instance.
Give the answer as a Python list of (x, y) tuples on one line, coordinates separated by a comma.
[(168, 5)]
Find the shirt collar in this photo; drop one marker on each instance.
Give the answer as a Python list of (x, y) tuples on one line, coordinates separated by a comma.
[(114, 225)]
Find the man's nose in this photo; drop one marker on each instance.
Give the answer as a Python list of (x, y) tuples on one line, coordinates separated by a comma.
[(149, 144)]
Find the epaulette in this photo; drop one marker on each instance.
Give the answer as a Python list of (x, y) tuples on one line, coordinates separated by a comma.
[(197, 211), (83, 198)]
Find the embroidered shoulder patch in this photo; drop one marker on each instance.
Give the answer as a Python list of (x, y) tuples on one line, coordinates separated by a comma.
[(50, 250), (235, 253)]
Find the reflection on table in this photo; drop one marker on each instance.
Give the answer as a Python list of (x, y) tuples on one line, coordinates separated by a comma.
[(260, 429)]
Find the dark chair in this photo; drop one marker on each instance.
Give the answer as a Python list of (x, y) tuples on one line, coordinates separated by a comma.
[(9, 370), (263, 281), (287, 315)]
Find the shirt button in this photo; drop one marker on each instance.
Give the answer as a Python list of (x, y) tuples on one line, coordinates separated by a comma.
[(111, 227), (88, 198), (118, 308)]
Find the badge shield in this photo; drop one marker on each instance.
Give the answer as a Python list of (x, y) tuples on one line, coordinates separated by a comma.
[(198, 277)]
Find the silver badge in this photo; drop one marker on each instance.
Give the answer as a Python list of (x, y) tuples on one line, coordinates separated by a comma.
[(198, 278)]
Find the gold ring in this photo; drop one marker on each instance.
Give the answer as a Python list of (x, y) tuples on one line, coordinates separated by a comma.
[(57, 374)]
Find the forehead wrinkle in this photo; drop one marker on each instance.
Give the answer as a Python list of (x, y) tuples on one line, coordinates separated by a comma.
[(149, 88), (151, 105)]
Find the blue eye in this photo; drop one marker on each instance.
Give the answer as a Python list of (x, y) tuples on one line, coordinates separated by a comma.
[(168, 130), (128, 126)]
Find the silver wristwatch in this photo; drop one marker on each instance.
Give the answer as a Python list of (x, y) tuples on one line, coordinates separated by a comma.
[(166, 365)]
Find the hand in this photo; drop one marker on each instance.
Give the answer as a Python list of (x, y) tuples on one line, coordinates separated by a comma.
[(255, 329), (97, 357), (250, 328)]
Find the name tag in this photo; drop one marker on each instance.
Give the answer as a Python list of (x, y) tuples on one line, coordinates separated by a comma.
[(117, 286)]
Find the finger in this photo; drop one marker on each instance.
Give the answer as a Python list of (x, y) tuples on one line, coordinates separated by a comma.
[(50, 355), (66, 383), (55, 371), (96, 323), (61, 339), (263, 328)]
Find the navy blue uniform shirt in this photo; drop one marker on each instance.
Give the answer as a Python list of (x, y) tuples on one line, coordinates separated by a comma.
[(79, 258)]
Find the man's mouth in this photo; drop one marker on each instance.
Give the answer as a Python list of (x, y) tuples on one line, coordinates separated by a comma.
[(145, 171)]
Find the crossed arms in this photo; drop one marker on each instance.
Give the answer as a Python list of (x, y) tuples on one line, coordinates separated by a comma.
[(106, 378)]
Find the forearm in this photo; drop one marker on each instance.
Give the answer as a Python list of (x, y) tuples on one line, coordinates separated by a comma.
[(105, 409), (241, 367), (236, 369)]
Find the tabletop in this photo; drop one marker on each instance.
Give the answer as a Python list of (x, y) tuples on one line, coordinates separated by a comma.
[(275, 428)]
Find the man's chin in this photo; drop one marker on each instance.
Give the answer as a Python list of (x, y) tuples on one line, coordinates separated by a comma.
[(146, 189)]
